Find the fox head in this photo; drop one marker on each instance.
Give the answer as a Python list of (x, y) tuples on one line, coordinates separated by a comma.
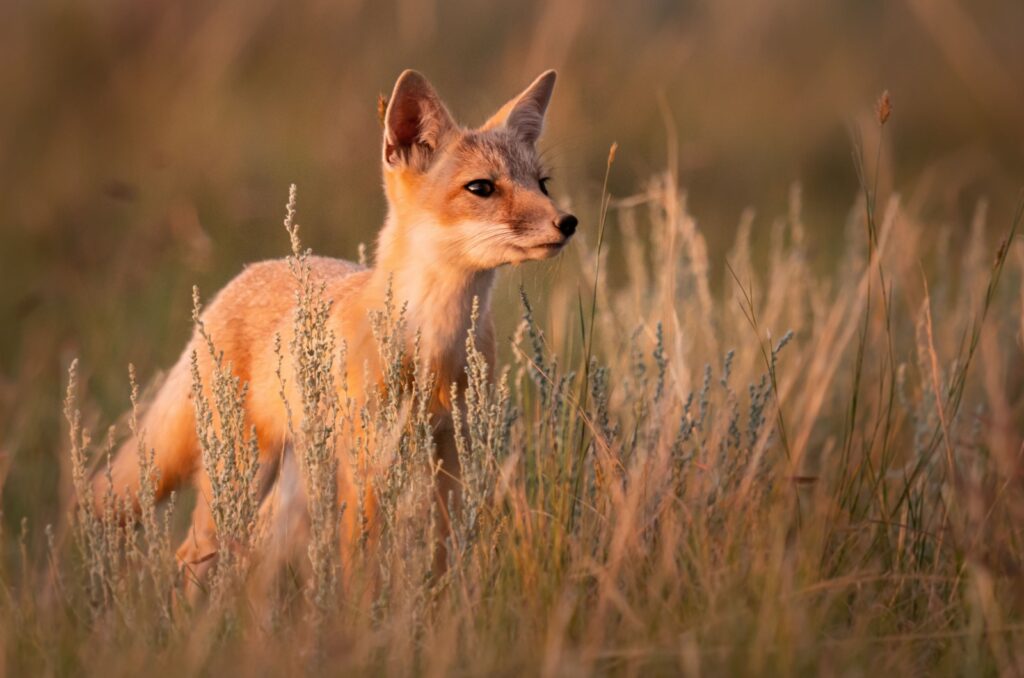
[(471, 198)]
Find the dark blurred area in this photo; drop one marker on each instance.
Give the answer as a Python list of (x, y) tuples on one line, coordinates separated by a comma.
[(147, 146)]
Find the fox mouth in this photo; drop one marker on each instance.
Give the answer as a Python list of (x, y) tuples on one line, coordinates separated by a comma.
[(553, 245), (549, 247), (544, 250)]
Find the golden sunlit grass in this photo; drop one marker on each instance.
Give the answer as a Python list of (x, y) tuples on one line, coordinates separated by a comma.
[(803, 473)]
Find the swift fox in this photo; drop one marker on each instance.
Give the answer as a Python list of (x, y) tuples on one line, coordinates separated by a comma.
[(462, 202)]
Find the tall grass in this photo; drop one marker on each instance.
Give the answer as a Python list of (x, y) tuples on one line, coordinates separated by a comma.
[(803, 473)]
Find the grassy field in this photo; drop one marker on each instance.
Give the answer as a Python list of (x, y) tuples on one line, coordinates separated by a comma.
[(720, 441), (702, 494)]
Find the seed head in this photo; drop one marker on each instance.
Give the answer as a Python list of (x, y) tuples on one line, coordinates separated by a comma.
[(382, 108), (883, 109)]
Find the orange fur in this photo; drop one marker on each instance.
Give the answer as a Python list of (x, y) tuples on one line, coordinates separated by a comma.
[(438, 249)]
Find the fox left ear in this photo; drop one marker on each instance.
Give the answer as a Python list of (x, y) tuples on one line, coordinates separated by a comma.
[(416, 122), (524, 114)]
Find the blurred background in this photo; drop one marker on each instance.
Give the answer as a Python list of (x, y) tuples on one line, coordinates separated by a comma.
[(146, 146)]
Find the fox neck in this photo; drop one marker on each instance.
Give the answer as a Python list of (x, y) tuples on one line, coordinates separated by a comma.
[(438, 295)]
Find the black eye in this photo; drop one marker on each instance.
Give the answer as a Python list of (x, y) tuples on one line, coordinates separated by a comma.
[(543, 181), (480, 187)]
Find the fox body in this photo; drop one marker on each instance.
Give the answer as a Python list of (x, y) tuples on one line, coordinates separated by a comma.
[(462, 202)]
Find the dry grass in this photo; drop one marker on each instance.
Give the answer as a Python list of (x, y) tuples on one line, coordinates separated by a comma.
[(791, 446), (803, 473)]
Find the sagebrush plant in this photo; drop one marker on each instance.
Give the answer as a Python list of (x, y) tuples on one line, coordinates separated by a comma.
[(315, 441), (124, 575), (802, 473), (231, 458)]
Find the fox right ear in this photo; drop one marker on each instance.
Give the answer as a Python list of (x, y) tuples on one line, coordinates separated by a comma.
[(524, 114), (415, 121)]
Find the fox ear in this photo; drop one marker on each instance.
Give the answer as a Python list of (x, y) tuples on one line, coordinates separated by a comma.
[(524, 114), (415, 120)]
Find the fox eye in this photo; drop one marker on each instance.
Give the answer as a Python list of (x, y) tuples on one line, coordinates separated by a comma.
[(543, 181), (480, 187)]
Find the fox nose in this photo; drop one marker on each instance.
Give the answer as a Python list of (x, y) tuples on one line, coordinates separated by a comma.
[(567, 225)]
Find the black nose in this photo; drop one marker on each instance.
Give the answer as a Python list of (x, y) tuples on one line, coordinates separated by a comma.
[(567, 225)]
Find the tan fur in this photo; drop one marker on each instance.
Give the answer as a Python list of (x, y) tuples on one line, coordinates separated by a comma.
[(438, 249)]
